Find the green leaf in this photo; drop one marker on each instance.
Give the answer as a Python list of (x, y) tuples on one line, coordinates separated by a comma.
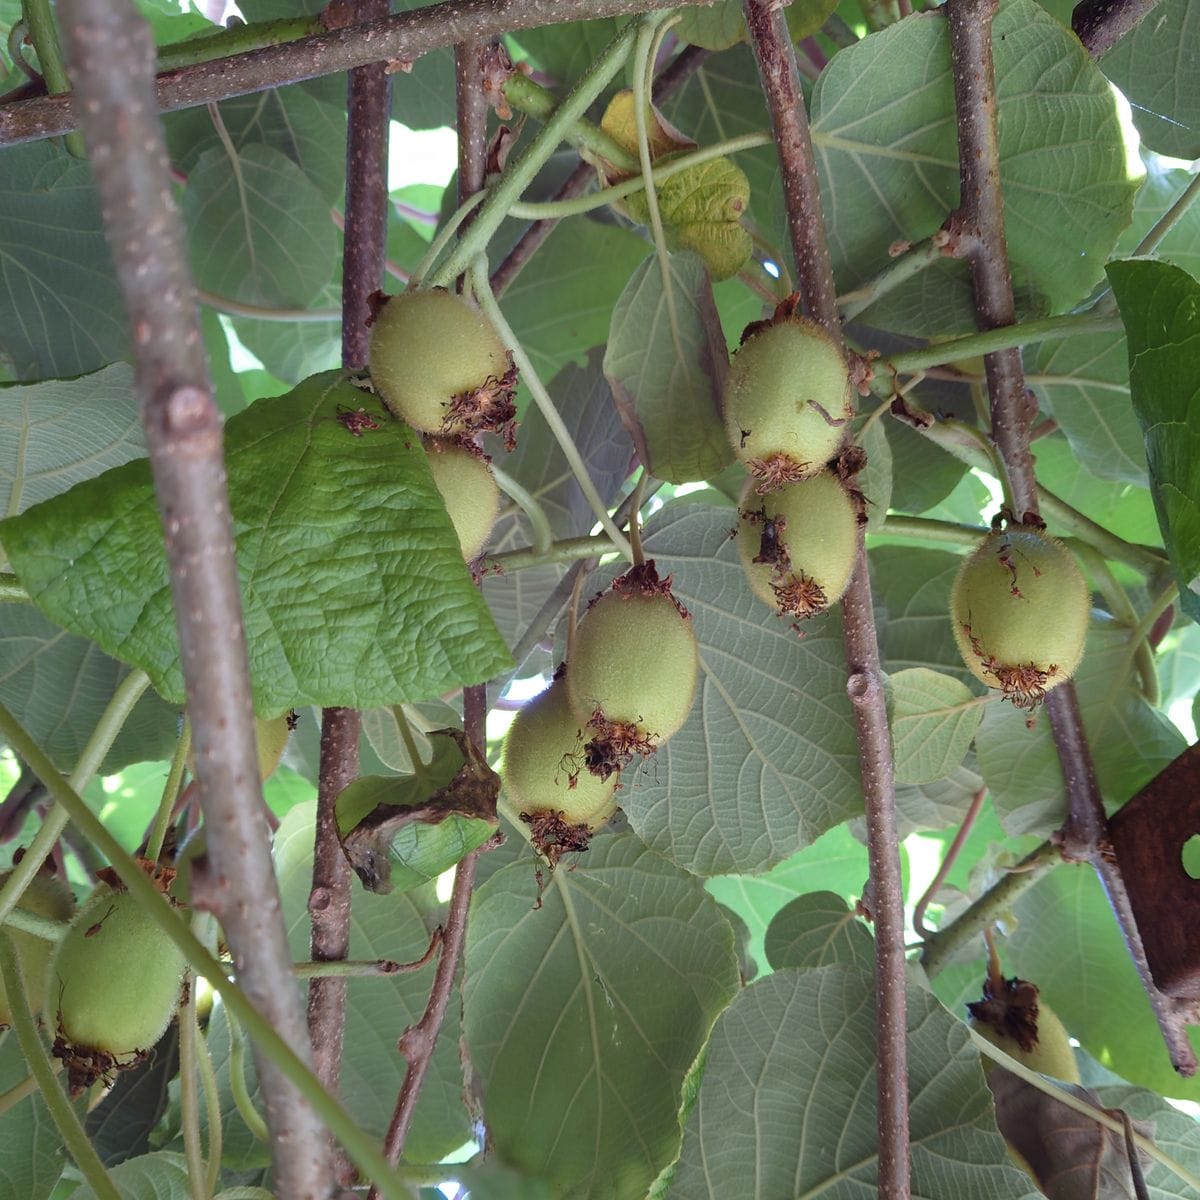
[(805, 17), (121, 1125), (294, 350), (561, 304), (1157, 66), (391, 846), (1174, 1132), (287, 119), (1165, 182), (875, 482), (563, 51), (1083, 383), (835, 862), (582, 1017), (158, 1176), (883, 129), (768, 759), (923, 474), (789, 1097), (1067, 942), (353, 586), (258, 229), (717, 27), (1160, 305), (496, 1183), (31, 1152), (1131, 741), (939, 804), (59, 685), (934, 718), (816, 930), (56, 433), (666, 361), (60, 308)]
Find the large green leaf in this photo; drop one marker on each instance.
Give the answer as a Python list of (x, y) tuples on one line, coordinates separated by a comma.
[(258, 229), (768, 759), (787, 1105), (564, 52), (818, 929), (583, 1017), (288, 119), (1067, 942), (1157, 66), (1160, 305), (158, 1176), (1131, 741), (884, 132), (59, 685), (934, 718), (294, 350), (54, 434), (354, 588), (561, 304), (31, 1158), (666, 360), (60, 308)]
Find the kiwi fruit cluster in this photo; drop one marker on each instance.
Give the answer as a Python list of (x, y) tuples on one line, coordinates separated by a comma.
[(628, 686), (1020, 611), (788, 402), (46, 896), (114, 986), (440, 368)]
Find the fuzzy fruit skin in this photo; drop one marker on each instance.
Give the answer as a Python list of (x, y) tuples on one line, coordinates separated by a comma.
[(820, 535), (772, 381), (635, 659), (543, 748), (1045, 625), (427, 348), (47, 897), (118, 989), (1051, 1054), (470, 492)]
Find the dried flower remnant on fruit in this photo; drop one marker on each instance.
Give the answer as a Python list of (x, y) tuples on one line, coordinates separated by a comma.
[(1015, 1019), (633, 670), (1020, 610)]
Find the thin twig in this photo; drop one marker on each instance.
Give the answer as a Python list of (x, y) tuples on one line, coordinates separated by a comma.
[(402, 39), (1101, 24), (184, 439), (948, 860), (781, 87), (981, 217)]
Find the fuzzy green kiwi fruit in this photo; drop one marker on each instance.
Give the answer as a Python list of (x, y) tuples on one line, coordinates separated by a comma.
[(114, 985), (469, 490), (633, 667), (439, 366), (798, 545), (788, 399), (1020, 609), (46, 896), (543, 765)]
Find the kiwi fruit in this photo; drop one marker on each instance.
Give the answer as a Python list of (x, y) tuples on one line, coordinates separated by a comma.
[(46, 896), (469, 490)]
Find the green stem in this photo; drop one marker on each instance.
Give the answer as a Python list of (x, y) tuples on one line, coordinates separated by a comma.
[(442, 240), (344, 969), (566, 550), (12, 591), (926, 529), (529, 97), (983, 913), (513, 182), (189, 1096), (554, 209), (361, 1147), (239, 39), (1048, 329), (419, 766), (900, 270), (61, 1111), (46, 928), (43, 33), (162, 819), (237, 1081), (113, 718), (543, 534), (212, 1109), (296, 316), (562, 435)]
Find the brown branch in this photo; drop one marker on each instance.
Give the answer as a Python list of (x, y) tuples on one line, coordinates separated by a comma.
[(184, 439), (814, 272), (399, 39), (981, 218), (1101, 24), (418, 1042)]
